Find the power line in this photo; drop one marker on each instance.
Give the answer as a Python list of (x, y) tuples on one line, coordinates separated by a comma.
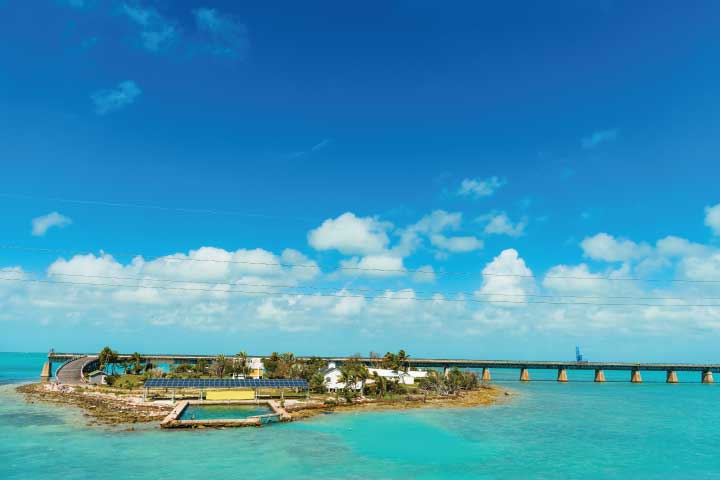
[(265, 293), (363, 289), (386, 270)]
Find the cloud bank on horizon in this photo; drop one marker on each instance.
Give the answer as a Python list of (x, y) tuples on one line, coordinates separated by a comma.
[(213, 289)]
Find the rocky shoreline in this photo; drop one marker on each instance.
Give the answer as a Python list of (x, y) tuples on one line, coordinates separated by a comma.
[(115, 407), (101, 407), (485, 395)]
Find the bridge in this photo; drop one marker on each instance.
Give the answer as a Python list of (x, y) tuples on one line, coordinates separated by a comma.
[(524, 366)]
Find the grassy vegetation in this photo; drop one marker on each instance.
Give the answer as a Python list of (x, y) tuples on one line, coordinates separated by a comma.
[(126, 381)]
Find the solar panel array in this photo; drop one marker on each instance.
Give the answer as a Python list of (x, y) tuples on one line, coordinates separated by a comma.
[(224, 383)]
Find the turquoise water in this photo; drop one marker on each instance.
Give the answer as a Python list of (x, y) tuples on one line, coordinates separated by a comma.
[(216, 412), (549, 430)]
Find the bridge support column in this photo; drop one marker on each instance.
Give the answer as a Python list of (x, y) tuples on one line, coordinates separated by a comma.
[(707, 377), (671, 377), (599, 376), (486, 375), (524, 375), (46, 372), (635, 376), (562, 375)]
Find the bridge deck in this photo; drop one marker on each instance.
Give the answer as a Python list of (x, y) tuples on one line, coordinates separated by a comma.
[(450, 362)]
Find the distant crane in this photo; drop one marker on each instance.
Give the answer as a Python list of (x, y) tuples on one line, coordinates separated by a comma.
[(578, 355)]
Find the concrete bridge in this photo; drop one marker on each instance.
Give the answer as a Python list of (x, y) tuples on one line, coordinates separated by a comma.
[(524, 366)]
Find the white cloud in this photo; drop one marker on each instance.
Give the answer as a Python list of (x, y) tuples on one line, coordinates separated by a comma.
[(712, 218), (671, 246), (599, 137), (700, 268), (478, 187), (350, 304), (424, 274), (506, 279), (320, 145), (500, 224), (157, 32), (109, 101), (42, 224), (350, 235), (223, 35), (456, 244), (374, 266), (610, 249), (435, 222)]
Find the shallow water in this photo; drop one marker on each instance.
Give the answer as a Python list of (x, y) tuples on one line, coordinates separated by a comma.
[(549, 430), (219, 412)]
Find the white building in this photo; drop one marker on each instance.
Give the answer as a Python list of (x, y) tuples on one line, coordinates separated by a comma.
[(333, 379), (404, 378)]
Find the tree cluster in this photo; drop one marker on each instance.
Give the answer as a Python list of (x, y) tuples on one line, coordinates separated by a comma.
[(451, 384)]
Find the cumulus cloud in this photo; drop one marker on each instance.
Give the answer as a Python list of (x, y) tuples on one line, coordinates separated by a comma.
[(424, 274), (350, 234), (374, 266), (435, 223), (610, 249), (712, 218), (156, 32), (112, 100), (500, 224), (456, 244), (599, 137), (478, 187), (222, 34), (40, 225), (506, 278)]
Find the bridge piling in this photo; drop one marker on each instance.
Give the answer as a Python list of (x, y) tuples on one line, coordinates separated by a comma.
[(635, 376), (486, 374), (599, 376), (562, 375), (671, 377), (524, 375), (707, 377)]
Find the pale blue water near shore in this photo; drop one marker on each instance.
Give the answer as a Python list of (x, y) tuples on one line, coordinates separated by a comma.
[(578, 430)]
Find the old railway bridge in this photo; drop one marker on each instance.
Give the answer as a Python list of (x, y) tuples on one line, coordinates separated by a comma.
[(73, 363)]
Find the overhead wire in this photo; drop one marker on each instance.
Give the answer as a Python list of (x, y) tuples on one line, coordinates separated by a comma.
[(369, 297)]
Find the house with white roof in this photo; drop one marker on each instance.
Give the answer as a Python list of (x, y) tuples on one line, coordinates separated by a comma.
[(399, 376), (333, 377)]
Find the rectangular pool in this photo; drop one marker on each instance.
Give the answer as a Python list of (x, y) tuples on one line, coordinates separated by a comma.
[(223, 412)]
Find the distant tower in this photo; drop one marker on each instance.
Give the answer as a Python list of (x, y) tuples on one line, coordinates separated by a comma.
[(578, 355)]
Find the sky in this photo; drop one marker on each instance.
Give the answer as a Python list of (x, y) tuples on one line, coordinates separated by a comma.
[(485, 180)]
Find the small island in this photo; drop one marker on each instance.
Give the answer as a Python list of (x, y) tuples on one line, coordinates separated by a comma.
[(240, 390)]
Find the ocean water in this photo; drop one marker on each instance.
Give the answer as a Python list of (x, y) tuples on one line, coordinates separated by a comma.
[(545, 430)]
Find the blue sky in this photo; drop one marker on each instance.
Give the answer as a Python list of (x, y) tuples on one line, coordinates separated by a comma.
[(574, 137)]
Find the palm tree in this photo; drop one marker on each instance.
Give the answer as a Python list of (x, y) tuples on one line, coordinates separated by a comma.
[(243, 362), (402, 360), (136, 360), (108, 356), (220, 365)]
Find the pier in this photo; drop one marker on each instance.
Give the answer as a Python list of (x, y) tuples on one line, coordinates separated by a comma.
[(705, 371)]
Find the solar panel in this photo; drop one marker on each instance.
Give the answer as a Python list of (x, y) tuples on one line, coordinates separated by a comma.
[(224, 383)]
